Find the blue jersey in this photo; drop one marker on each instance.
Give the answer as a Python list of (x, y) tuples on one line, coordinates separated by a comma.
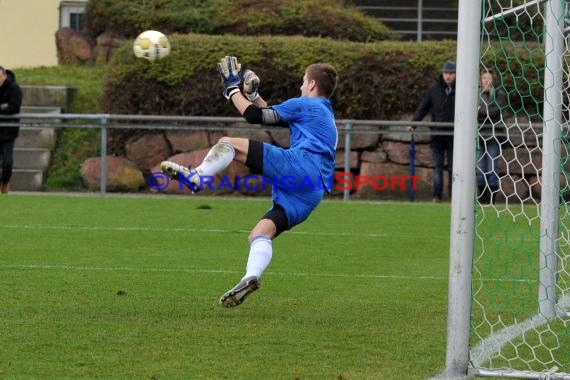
[(313, 128), (311, 156)]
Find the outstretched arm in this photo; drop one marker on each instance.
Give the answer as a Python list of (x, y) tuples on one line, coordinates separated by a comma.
[(260, 102), (254, 114), (254, 111), (229, 69), (241, 102), (251, 88)]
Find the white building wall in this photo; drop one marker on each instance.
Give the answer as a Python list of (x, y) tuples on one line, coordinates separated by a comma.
[(28, 30)]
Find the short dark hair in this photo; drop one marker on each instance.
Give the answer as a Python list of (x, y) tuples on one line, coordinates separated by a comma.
[(325, 76)]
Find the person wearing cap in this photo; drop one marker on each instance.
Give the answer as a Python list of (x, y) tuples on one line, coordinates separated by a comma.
[(10, 103), (440, 100)]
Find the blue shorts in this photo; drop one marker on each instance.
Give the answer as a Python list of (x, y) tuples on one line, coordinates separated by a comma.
[(296, 181)]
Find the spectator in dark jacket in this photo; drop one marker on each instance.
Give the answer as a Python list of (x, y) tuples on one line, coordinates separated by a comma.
[(440, 99), (491, 100), (10, 102)]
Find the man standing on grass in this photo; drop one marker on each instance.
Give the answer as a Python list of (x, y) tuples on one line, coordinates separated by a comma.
[(10, 102), (440, 99), (311, 157)]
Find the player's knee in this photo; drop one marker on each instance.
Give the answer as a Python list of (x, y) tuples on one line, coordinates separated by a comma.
[(227, 144), (239, 145), (256, 234), (251, 236)]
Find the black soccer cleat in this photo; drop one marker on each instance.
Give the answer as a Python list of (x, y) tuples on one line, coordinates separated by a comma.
[(236, 295)]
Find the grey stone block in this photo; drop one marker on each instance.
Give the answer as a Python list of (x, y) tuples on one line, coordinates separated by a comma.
[(31, 158), (39, 122), (35, 137), (52, 96), (40, 109), (26, 180)]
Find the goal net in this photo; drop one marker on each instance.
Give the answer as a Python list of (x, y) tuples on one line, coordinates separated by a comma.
[(520, 278)]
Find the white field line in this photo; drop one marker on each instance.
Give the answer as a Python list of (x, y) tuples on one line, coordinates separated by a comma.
[(216, 230), (491, 345), (213, 271), (178, 229), (223, 271)]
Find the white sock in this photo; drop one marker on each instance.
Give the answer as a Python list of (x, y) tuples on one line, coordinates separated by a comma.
[(260, 253), (218, 158)]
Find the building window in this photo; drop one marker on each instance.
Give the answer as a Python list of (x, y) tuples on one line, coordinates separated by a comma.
[(72, 15)]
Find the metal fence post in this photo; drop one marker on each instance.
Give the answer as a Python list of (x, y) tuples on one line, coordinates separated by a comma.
[(103, 161), (420, 22), (347, 131)]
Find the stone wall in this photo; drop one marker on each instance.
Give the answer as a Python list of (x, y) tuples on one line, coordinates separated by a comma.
[(380, 154)]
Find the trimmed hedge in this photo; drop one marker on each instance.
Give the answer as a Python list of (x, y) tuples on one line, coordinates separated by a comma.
[(382, 80), (311, 18), (376, 80)]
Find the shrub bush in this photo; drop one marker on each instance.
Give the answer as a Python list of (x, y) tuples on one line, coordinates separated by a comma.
[(376, 80), (313, 18)]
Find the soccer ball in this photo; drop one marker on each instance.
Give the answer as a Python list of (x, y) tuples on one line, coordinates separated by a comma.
[(151, 45)]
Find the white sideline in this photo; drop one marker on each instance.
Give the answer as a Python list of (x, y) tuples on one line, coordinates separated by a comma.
[(178, 229), (216, 230), (194, 270), (199, 230)]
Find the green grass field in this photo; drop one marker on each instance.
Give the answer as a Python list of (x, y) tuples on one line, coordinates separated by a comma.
[(126, 287)]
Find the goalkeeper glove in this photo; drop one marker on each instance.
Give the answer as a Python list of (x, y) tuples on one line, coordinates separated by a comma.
[(229, 69), (250, 85)]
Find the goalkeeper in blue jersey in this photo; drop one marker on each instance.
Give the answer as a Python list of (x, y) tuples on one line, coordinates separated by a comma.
[(307, 165)]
